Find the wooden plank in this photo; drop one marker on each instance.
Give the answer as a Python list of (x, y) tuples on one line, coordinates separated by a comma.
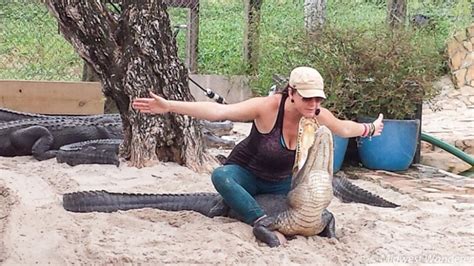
[(52, 97)]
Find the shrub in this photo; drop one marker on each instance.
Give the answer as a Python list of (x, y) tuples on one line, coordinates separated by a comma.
[(370, 72)]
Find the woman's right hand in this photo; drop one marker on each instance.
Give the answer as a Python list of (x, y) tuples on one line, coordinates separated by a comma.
[(153, 105)]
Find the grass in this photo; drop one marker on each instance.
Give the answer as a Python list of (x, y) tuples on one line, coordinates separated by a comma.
[(31, 48)]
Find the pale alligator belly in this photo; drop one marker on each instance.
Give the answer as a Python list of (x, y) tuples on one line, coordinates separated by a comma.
[(307, 203)]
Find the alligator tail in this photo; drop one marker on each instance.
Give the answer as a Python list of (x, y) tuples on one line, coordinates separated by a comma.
[(348, 192), (103, 201), (98, 151), (109, 144), (88, 156)]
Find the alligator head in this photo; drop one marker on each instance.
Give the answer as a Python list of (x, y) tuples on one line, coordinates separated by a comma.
[(314, 150)]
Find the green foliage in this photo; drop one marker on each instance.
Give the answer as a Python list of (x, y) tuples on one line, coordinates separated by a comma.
[(370, 72)]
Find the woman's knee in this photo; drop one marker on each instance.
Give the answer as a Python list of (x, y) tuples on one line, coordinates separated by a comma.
[(223, 176)]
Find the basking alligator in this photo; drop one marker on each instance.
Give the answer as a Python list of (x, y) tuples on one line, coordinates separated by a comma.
[(7, 115), (10, 115), (105, 151), (42, 137), (302, 211), (29, 125)]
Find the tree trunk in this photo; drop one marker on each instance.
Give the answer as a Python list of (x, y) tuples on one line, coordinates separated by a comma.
[(397, 11), (133, 52), (314, 15), (252, 35), (88, 74)]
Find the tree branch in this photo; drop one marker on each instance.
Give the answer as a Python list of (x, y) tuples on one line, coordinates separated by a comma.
[(95, 42)]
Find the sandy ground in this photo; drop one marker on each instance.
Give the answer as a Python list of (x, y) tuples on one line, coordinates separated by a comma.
[(35, 229)]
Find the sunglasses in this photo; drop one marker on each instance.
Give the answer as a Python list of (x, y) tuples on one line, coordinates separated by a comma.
[(310, 99)]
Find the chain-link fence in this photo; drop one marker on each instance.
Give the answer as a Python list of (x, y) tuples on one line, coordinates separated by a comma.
[(213, 36)]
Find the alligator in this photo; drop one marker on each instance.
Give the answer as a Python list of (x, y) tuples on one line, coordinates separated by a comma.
[(211, 140), (311, 192), (10, 115), (213, 132), (42, 137), (86, 153), (97, 151), (7, 115), (311, 188), (219, 128), (105, 151)]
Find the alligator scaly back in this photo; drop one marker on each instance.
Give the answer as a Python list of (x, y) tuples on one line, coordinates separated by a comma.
[(12, 115)]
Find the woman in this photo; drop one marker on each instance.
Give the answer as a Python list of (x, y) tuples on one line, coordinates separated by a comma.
[(262, 163)]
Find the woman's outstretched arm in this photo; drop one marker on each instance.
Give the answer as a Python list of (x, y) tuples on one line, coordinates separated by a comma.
[(347, 128), (243, 111)]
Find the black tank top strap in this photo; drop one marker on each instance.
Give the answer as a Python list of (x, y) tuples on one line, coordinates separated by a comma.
[(281, 111)]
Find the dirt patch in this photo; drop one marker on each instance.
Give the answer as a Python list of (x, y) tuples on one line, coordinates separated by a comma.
[(6, 202)]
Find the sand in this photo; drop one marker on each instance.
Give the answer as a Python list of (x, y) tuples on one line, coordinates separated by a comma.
[(35, 229)]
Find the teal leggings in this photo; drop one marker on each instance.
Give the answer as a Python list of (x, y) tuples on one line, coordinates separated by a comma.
[(237, 186)]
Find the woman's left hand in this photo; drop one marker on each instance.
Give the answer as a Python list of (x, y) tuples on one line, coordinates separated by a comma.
[(378, 124)]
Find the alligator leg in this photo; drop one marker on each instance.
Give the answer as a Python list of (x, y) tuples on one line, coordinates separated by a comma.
[(36, 140), (219, 209), (262, 231), (330, 228)]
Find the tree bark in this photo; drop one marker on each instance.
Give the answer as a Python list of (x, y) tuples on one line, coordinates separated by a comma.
[(314, 15), (397, 11), (252, 35), (133, 52)]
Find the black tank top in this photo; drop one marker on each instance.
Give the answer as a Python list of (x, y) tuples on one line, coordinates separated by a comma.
[(265, 154)]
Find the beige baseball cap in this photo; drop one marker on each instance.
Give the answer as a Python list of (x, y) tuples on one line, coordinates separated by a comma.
[(308, 82)]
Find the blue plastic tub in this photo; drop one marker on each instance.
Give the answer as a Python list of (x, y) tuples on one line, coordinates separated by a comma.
[(394, 149), (340, 147)]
